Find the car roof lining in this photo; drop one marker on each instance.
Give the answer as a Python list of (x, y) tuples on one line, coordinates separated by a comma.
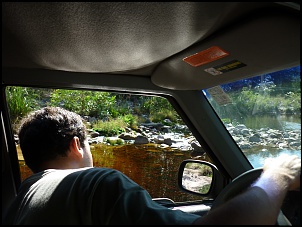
[(262, 44), (149, 41), (76, 37)]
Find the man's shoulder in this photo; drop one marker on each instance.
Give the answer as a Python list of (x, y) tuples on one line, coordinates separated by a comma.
[(99, 172), (86, 176)]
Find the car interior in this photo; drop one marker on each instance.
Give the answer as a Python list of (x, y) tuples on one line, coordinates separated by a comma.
[(168, 49)]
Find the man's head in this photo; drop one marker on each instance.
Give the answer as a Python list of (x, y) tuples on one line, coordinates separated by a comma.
[(51, 135)]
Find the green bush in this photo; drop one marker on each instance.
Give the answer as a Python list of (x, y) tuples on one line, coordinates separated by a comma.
[(266, 101), (90, 103), (130, 120), (153, 104), (112, 127), (21, 100), (113, 142), (163, 114)]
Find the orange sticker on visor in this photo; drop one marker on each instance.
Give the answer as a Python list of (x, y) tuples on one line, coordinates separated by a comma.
[(206, 56)]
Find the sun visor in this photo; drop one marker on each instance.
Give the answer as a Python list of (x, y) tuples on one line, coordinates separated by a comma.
[(258, 45)]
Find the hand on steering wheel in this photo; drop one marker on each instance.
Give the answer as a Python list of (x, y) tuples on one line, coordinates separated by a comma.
[(238, 185)]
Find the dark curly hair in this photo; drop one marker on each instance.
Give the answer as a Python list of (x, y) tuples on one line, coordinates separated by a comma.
[(46, 134)]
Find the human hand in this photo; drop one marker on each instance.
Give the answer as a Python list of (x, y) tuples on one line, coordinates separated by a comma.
[(286, 168)]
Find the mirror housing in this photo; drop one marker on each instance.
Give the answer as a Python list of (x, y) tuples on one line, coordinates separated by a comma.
[(200, 178)]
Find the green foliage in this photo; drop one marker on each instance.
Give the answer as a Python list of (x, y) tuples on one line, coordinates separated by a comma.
[(21, 100), (165, 114), (226, 120), (110, 128), (124, 110), (113, 142), (130, 120), (130, 107), (159, 108), (204, 189), (154, 104), (245, 100), (91, 103), (266, 101), (293, 103)]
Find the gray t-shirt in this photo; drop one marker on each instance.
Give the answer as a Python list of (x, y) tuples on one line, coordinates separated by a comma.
[(88, 196)]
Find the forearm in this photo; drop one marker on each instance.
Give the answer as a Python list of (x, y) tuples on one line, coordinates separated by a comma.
[(253, 207), (259, 204)]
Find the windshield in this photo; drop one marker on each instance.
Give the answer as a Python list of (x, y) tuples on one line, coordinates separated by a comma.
[(141, 136), (262, 114)]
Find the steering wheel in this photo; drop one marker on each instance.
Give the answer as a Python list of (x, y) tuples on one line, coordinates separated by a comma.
[(238, 185)]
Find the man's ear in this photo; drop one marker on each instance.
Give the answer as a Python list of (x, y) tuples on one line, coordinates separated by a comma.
[(75, 147)]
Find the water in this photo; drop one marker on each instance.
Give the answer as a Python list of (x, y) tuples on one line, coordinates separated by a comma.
[(281, 122), (257, 158), (153, 168), (257, 155)]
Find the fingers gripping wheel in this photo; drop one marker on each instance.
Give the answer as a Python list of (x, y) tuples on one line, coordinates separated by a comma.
[(238, 185)]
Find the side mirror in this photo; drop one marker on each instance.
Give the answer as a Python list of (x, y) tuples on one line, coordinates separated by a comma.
[(199, 178)]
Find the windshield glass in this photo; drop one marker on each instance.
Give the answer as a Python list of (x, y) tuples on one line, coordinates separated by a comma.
[(262, 114)]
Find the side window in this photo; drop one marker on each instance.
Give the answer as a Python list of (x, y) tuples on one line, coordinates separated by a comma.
[(262, 114), (141, 136)]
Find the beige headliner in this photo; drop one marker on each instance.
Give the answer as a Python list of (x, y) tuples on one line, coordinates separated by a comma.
[(150, 38)]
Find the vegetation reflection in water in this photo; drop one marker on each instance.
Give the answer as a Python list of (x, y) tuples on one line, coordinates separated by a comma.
[(153, 168)]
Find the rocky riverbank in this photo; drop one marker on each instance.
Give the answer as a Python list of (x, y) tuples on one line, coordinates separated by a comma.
[(179, 137)]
